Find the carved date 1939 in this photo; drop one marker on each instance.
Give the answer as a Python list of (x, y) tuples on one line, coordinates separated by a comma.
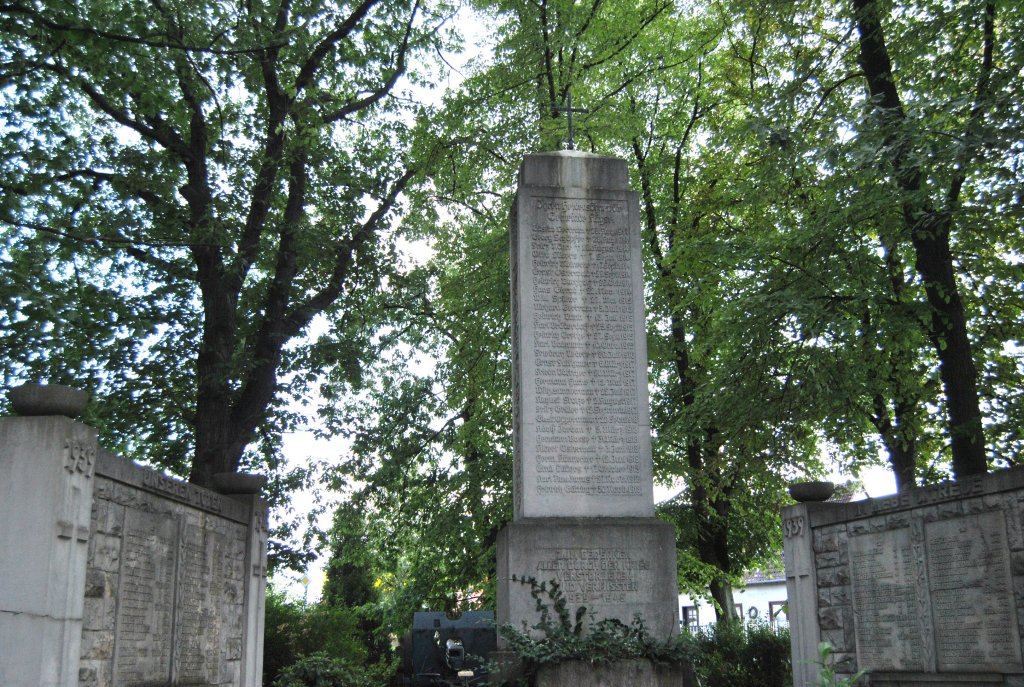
[(793, 527)]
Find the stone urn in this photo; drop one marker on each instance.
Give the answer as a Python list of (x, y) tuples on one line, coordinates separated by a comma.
[(29, 400), (811, 491)]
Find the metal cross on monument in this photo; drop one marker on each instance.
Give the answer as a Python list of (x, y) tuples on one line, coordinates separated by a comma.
[(568, 110)]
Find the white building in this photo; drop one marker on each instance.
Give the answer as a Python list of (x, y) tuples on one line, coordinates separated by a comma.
[(762, 599)]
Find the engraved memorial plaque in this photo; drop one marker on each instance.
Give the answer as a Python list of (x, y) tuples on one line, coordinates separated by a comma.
[(145, 600), (197, 627), (579, 353), (885, 604), (606, 576), (936, 596), (972, 594), (176, 580)]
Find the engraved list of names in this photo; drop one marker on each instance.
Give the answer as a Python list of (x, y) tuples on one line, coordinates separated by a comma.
[(586, 390), (935, 596), (584, 348)]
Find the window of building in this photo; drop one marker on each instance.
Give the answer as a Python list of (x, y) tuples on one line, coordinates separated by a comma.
[(691, 620), (777, 614)]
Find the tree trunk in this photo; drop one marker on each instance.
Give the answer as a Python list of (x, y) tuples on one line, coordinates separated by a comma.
[(929, 231), (901, 447), (711, 510), (725, 603), (952, 345)]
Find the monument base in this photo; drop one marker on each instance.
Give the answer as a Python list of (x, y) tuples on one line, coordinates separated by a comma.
[(635, 673), (896, 679), (615, 567)]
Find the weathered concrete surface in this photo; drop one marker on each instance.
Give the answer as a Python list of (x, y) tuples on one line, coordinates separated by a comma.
[(176, 582), (579, 343), (46, 483), (615, 567), (583, 490), (636, 673)]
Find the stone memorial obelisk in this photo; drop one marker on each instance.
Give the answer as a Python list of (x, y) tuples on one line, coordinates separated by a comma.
[(583, 490)]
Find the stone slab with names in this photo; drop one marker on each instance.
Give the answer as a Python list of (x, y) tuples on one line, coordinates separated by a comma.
[(925, 587), (583, 488), (115, 575), (175, 564), (579, 351)]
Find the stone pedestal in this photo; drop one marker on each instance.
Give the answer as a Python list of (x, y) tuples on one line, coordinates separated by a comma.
[(46, 484), (615, 567), (637, 673)]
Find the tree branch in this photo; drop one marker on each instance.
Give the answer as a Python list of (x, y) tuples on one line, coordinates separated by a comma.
[(374, 96), (63, 26), (982, 98), (301, 315), (129, 246), (340, 33), (156, 129), (628, 40)]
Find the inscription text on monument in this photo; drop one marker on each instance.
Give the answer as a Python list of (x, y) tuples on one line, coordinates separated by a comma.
[(580, 348), (584, 348), (595, 575), (885, 602), (145, 601), (935, 597)]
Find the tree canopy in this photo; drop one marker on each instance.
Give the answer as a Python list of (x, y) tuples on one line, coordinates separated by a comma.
[(186, 187), (792, 314)]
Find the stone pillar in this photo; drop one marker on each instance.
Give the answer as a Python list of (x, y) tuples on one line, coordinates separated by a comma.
[(254, 606), (47, 464), (583, 488), (802, 594)]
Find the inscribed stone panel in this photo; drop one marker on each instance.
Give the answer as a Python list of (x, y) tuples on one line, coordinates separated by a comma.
[(972, 594), (598, 575), (615, 568), (145, 599), (885, 603), (584, 349), (579, 354), (196, 633)]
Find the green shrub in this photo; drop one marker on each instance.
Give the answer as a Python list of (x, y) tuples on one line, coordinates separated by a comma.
[(562, 635), (316, 670), (323, 670), (280, 636), (734, 655), (768, 655), (827, 676), (296, 631)]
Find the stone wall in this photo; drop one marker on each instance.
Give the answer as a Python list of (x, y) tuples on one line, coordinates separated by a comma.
[(171, 580), (114, 575), (925, 587)]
